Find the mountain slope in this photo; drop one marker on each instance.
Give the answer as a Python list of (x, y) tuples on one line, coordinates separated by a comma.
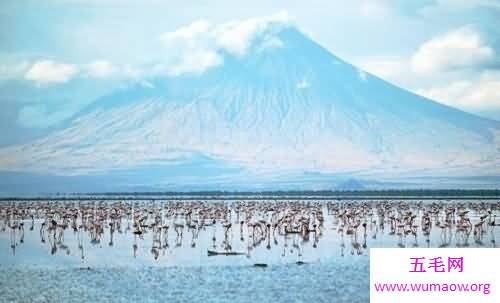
[(281, 109)]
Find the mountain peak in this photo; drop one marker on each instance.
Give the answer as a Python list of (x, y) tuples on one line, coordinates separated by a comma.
[(256, 97), (201, 45)]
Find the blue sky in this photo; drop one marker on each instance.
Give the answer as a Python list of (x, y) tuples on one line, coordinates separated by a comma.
[(58, 55)]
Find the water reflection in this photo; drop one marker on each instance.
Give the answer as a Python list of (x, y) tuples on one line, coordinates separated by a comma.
[(293, 229)]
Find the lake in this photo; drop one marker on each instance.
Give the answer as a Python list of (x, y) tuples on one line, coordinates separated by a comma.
[(219, 250)]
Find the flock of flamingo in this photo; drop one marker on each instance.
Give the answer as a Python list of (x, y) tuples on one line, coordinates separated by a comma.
[(288, 224)]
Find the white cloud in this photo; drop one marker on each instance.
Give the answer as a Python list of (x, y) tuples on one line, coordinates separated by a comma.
[(458, 49), (199, 46), (470, 91), (191, 49), (100, 69), (47, 71), (236, 36), (474, 95)]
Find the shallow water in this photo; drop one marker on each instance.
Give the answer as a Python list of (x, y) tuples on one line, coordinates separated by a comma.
[(321, 282), (334, 268)]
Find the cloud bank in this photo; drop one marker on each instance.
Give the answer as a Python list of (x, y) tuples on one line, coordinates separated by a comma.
[(48, 71), (459, 49), (200, 45), (480, 94)]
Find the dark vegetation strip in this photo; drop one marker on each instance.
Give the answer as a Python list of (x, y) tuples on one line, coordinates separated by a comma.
[(270, 195)]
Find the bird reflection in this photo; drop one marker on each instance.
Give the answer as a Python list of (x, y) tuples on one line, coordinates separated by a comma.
[(293, 227)]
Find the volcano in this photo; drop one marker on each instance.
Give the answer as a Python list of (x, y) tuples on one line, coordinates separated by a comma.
[(287, 110)]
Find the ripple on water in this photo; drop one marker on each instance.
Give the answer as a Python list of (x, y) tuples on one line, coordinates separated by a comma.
[(319, 282)]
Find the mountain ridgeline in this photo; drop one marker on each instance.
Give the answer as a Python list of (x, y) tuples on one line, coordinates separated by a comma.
[(276, 113)]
